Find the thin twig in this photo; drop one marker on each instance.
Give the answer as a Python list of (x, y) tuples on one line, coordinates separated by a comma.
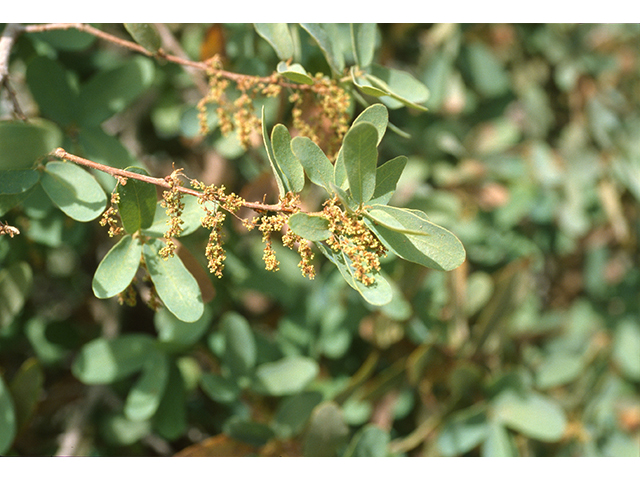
[(160, 182)]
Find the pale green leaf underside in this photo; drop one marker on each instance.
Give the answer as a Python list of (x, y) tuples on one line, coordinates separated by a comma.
[(294, 72), (278, 36), (410, 235), (315, 163), (311, 227), (118, 267), (176, 287), (360, 159), (286, 161)]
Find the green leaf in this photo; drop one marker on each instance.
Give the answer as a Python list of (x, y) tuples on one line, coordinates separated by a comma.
[(116, 429), (376, 114), (26, 389), (411, 236), (463, 432), (361, 81), (219, 389), (73, 190), (558, 369), (137, 206), (311, 227), (399, 85), (363, 39), (287, 376), (360, 160), (288, 164), (49, 84), (294, 412), (327, 431), (170, 420), (118, 268), (15, 286), (315, 163), (379, 293), (71, 39), (531, 414), (22, 143), (191, 217), (498, 442), (8, 426), (294, 72), (387, 176), (278, 36), (176, 287), (487, 74), (145, 35), (13, 182), (146, 394), (626, 348), (248, 431), (173, 331), (103, 361), (323, 34), (240, 350), (111, 91), (370, 441), (277, 173)]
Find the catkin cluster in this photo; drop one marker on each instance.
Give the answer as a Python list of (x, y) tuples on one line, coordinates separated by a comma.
[(351, 235)]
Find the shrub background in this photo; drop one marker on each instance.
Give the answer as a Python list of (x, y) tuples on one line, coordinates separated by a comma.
[(529, 153)]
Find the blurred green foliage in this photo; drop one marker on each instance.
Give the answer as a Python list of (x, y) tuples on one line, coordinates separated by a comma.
[(529, 152)]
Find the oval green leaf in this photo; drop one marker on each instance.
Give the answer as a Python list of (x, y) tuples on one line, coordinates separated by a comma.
[(111, 91), (103, 361), (176, 287), (288, 164), (311, 227), (8, 426), (145, 35), (287, 376), (219, 389), (400, 85), (240, 350), (387, 176), (294, 72), (531, 414), (278, 36), (327, 431), (315, 163), (74, 191), (118, 267), (22, 144), (360, 160), (363, 40), (324, 35), (144, 397), (13, 182), (411, 236), (15, 286), (137, 206)]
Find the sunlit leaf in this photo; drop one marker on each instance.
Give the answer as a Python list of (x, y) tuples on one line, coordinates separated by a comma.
[(286, 376), (311, 227), (176, 286), (73, 190), (324, 36), (363, 38), (145, 35), (531, 414), (387, 176), (399, 85), (287, 163), (294, 72), (137, 206), (118, 268), (103, 361), (278, 36), (315, 163), (411, 236), (327, 431), (360, 160)]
